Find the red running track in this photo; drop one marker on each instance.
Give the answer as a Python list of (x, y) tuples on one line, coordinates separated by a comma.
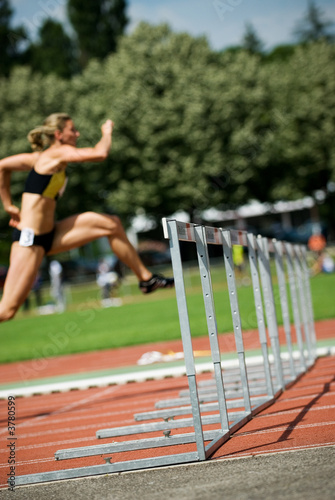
[(302, 417)]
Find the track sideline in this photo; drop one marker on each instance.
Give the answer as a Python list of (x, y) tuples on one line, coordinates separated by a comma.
[(134, 376)]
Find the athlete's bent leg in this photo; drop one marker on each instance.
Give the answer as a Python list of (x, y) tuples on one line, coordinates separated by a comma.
[(80, 229)]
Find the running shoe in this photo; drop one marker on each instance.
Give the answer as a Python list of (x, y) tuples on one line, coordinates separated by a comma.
[(155, 282)]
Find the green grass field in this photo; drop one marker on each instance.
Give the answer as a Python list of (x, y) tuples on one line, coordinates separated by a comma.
[(85, 326)]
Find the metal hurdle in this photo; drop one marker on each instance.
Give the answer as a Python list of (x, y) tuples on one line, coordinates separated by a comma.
[(283, 364), (235, 395)]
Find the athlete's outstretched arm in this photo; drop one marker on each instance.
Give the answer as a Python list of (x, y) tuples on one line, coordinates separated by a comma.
[(70, 154)]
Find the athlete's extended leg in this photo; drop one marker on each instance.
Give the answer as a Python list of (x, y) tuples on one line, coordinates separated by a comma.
[(81, 229), (24, 264)]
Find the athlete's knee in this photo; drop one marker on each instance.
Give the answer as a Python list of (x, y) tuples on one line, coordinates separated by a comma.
[(7, 313), (114, 225), (111, 224)]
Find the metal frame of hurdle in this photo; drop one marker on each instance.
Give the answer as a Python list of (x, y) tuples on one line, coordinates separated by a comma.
[(234, 395)]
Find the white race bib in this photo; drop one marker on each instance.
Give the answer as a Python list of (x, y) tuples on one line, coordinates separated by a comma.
[(27, 237)]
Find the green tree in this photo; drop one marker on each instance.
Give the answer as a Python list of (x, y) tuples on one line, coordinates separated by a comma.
[(193, 128), (305, 104), (54, 51), (186, 121), (251, 41), (304, 99), (313, 26), (281, 53), (98, 25), (152, 90), (12, 39)]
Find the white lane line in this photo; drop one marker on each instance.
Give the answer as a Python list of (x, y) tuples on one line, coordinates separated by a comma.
[(75, 418), (283, 429), (94, 382), (64, 430), (55, 443), (142, 376), (296, 410), (130, 421), (236, 435), (48, 419), (306, 396), (132, 400), (331, 386), (35, 420), (135, 403), (30, 462), (276, 450)]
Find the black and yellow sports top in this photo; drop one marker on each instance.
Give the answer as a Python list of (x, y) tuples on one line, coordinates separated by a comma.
[(47, 185)]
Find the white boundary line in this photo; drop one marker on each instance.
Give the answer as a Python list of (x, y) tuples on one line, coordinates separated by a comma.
[(125, 378)]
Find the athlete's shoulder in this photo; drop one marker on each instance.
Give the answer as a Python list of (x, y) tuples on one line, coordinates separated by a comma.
[(62, 152), (34, 158)]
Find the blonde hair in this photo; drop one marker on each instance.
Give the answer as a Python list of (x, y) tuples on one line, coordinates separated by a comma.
[(43, 136)]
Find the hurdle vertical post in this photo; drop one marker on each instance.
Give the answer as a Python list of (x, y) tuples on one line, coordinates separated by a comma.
[(207, 289), (278, 249), (270, 310), (186, 335), (237, 325), (295, 306), (303, 302), (306, 277), (259, 311)]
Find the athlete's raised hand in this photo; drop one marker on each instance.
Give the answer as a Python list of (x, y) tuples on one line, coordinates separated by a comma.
[(107, 127)]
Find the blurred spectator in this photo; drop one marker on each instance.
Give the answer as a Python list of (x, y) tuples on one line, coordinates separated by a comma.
[(109, 281), (57, 290), (328, 265), (324, 263), (238, 258), (317, 242), (239, 265)]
